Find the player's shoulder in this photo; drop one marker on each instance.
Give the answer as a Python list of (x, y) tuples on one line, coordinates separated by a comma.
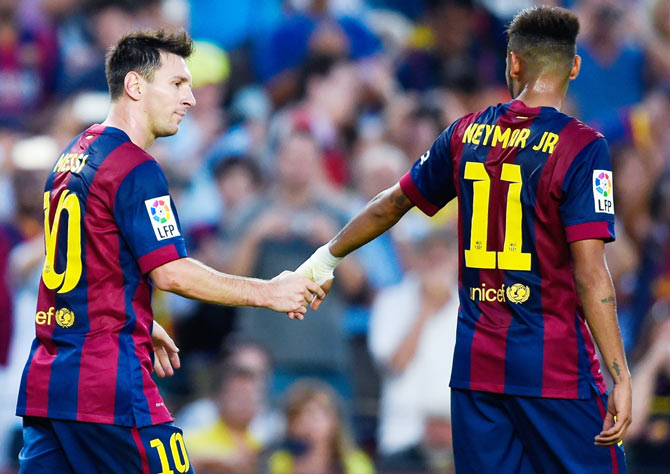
[(459, 126), (578, 128), (110, 140), (481, 116), (117, 157)]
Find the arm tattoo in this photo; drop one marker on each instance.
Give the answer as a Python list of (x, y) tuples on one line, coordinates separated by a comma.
[(616, 368), (399, 200), (609, 299)]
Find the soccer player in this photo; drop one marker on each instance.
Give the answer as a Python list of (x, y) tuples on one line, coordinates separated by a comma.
[(534, 189), (111, 231)]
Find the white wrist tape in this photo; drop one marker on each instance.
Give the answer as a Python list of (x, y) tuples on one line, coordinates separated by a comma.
[(320, 266)]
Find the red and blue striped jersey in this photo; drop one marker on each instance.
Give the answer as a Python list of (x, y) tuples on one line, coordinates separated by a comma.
[(529, 181), (108, 221)]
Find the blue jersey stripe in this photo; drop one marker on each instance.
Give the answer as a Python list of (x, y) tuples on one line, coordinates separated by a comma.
[(130, 370), (22, 400)]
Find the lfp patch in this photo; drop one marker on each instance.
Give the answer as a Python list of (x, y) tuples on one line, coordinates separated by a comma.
[(162, 217), (603, 191)]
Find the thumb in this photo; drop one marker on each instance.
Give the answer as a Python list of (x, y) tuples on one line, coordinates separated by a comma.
[(167, 340), (608, 421), (326, 289)]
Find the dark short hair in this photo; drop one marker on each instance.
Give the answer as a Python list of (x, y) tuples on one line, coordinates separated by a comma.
[(140, 51), (318, 65), (227, 164), (228, 372), (544, 37)]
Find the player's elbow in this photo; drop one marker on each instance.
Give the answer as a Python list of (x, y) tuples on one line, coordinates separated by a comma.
[(590, 277), (167, 277), (385, 208)]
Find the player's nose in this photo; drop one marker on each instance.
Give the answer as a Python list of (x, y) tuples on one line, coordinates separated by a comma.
[(189, 100)]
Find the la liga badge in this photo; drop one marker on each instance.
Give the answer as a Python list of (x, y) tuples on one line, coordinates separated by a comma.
[(162, 217), (603, 191)]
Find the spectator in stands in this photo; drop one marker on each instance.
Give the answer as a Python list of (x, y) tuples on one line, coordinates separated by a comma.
[(412, 337), (278, 232), (607, 51), (434, 453), (656, 38), (329, 94), (27, 68), (648, 440), (447, 51), (311, 30), (316, 441), (227, 445)]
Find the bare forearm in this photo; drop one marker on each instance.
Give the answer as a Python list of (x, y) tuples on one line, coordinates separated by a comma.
[(379, 215), (193, 279), (596, 292)]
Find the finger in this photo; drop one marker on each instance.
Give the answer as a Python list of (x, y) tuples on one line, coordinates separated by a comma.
[(609, 440), (608, 422), (327, 286), (174, 360), (611, 437), (308, 298), (158, 367), (618, 427), (294, 315), (165, 362), (316, 302), (316, 289), (171, 346), (326, 289)]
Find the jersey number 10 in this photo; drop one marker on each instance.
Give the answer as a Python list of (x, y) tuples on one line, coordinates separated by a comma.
[(67, 280), (478, 256)]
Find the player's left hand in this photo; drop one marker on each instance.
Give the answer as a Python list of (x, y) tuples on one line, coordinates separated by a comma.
[(619, 407), (166, 352)]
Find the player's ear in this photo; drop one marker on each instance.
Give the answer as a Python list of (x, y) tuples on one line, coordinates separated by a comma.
[(514, 65), (576, 66), (132, 84)]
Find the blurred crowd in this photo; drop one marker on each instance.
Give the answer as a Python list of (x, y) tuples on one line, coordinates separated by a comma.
[(306, 109)]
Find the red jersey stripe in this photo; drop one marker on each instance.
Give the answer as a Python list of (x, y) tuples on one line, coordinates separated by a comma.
[(157, 258), (588, 230), (560, 374), (489, 343)]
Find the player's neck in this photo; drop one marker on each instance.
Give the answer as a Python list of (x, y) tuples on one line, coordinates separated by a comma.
[(124, 119), (543, 92)]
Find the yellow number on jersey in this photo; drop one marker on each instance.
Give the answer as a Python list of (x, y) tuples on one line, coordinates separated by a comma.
[(179, 455), (511, 257), (478, 256), (67, 280)]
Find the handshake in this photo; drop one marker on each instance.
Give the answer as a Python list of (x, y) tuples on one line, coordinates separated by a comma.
[(293, 294)]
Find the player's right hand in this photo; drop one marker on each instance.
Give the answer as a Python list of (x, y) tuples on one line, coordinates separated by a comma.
[(292, 293), (166, 352)]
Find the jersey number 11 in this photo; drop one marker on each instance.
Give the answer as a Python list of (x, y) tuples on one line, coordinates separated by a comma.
[(478, 256)]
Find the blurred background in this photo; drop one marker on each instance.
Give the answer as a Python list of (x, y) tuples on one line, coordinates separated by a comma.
[(306, 110)]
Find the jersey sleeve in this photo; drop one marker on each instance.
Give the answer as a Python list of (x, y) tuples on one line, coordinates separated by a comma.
[(587, 207), (429, 184), (147, 218)]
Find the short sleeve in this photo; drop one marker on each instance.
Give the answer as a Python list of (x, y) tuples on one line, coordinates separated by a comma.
[(429, 184), (587, 207), (147, 217)]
